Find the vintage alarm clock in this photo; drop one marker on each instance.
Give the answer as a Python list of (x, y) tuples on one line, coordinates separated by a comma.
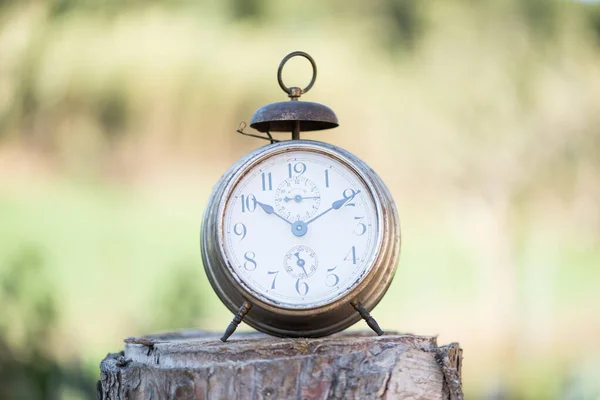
[(300, 238)]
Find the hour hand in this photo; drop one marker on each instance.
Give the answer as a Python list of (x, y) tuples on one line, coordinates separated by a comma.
[(270, 210), (266, 208)]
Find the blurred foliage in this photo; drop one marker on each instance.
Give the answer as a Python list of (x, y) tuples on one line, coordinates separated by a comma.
[(117, 117), (28, 367), (182, 302)]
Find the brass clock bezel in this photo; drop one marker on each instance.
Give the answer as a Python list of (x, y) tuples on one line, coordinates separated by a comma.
[(320, 320)]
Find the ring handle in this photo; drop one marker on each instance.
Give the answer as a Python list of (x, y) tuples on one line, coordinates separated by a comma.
[(289, 91)]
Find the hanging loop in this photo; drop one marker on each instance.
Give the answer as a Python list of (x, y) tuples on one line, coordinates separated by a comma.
[(295, 92)]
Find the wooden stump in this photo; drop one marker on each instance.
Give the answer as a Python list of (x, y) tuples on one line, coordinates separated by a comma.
[(357, 365)]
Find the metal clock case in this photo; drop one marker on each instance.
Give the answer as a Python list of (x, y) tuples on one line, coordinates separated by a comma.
[(282, 218)]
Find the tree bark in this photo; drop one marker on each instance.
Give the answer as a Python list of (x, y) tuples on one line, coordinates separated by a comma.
[(357, 365)]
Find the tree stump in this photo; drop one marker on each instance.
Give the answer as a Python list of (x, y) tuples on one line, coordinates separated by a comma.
[(356, 365)]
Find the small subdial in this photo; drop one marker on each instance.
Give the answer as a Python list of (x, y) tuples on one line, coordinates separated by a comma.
[(300, 262), (297, 199)]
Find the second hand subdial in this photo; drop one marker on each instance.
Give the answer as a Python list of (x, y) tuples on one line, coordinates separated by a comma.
[(300, 262)]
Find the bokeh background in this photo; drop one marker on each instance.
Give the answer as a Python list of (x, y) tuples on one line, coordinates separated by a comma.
[(117, 118)]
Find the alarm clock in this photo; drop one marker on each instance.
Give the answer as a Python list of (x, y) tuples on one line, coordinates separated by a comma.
[(300, 238)]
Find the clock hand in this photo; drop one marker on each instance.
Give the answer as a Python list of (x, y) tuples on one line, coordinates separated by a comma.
[(300, 262), (336, 205), (299, 228), (269, 210), (298, 198)]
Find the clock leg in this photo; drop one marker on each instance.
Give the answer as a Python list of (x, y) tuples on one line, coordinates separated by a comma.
[(367, 317), (236, 320)]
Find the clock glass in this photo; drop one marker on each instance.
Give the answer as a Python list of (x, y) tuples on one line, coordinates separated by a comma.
[(300, 229)]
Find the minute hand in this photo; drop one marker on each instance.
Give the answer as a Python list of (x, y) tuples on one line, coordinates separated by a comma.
[(335, 206)]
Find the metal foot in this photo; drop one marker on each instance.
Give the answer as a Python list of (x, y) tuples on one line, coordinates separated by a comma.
[(236, 320), (367, 317)]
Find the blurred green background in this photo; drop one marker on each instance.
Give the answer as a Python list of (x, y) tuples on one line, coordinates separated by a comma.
[(118, 117)]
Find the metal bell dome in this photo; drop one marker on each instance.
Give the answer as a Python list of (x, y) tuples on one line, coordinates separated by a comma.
[(294, 115), (284, 115)]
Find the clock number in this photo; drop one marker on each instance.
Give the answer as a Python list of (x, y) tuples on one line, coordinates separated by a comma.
[(250, 264), (241, 231), (274, 278), (362, 228), (248, 203), (353, 252), (349, 194), (299, 168), (267, 181), (336, 279), (301, 287), (326, 178)]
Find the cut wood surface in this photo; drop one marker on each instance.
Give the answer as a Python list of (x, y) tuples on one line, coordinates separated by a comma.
[(356, 365)]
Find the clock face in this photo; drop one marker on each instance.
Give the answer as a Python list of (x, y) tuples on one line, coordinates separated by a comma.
[(300, 229)]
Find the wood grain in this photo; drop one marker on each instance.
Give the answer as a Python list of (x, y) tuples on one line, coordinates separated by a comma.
[(357, 365)]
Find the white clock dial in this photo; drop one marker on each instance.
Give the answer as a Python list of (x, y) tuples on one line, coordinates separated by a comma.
[(300, 229)]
